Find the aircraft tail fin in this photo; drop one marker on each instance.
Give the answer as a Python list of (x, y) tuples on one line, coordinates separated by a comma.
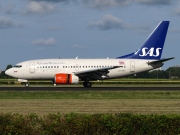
[(153, 45)]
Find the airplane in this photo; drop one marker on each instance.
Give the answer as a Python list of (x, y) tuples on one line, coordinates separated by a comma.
[(71, 71)]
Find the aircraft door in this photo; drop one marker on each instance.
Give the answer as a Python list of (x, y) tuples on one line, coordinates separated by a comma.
[(77, 67), (132, 66), (31, 67)]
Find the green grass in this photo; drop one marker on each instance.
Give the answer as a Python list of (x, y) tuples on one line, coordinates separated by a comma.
[(91, 102), (91, 95)]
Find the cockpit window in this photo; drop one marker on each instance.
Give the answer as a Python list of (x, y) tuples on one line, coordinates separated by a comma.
[(18, 66)]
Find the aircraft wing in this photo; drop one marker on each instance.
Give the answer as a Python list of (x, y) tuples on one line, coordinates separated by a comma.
[(160, 61), (95, 74)]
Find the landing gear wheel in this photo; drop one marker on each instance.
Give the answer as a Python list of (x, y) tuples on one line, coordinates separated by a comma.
[(27, 84), (87, 84)]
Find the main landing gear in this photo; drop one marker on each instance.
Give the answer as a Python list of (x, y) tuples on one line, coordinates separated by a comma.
[(87, 84)]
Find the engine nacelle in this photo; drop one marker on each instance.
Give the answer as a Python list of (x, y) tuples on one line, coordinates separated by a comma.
[(65, 79)]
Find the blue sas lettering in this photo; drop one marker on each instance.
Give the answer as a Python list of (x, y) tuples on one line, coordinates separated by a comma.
[(151, 52)]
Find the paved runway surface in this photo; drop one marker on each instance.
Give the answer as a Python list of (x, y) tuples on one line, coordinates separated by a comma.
[(82, 88)]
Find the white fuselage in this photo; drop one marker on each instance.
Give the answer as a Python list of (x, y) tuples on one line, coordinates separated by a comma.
[(48, 68)]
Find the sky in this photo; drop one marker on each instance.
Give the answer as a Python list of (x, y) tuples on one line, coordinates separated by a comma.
[(41, 29)]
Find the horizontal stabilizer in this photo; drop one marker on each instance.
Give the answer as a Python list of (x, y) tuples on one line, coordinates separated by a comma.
[(160, 61)]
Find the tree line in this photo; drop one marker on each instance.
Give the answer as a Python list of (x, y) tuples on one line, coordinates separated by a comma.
[(3, 75), (170, 73)]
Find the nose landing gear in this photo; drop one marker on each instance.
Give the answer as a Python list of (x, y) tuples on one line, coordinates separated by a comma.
[(27, 84)]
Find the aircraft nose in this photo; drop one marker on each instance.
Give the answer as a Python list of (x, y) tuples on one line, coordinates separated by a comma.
[(8, 72)]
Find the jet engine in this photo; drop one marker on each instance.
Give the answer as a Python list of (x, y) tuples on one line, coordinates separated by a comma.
[(64, 78)]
